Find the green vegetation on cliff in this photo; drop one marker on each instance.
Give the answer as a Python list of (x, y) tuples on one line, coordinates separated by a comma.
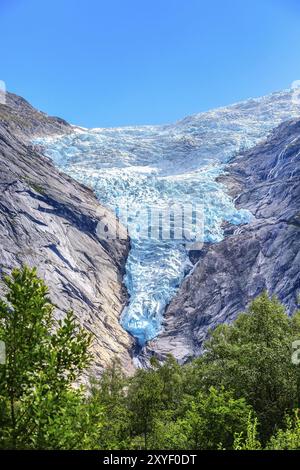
[(242, 393)]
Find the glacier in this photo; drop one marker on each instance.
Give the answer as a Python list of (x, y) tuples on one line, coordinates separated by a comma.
[(154, 166)]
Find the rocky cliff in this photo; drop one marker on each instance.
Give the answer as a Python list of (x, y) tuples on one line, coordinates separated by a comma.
[(264, 254), (48, 220)]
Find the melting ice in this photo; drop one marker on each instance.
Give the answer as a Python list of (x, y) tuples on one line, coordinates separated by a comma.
[(154, 165)]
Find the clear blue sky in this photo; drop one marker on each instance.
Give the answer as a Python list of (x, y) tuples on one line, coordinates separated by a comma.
[(119, 62)]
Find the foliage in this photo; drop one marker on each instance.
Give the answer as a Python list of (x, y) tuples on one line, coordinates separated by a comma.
[(288, 438), (43, 359), (213, 418), (249, 441), (241, 394), (252, 357)]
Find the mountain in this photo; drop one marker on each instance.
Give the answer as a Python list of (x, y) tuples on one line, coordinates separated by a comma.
[(49, 220), (150, 168), (263, 254), (153, 295)]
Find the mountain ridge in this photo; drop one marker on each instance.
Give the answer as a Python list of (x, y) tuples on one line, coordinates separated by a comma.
[(263, 254), (155, 167), (49, 220)]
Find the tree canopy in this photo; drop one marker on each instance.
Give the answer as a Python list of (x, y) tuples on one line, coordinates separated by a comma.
[(242, 393)]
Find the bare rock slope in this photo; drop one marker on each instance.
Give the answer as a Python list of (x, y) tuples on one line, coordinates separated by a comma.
[(264, 254), (49, 220)]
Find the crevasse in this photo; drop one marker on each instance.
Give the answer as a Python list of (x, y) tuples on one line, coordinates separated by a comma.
[(153, 165)]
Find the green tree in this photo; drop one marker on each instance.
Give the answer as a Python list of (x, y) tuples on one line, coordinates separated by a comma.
[(212, 419), (171, 376), (248, 440), (169, 434), (109, 394), (288, 438), (239, 395), (43, 359), (145, 402), (252, 357)]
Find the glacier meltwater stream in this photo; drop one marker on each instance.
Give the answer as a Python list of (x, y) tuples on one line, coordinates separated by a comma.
[(157, 165)]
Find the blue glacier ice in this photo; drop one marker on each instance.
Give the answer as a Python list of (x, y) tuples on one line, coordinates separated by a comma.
[(154, 165)]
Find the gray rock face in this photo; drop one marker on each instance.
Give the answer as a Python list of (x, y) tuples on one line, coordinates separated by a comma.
[(48, 220), (23, 120), (264, 254)]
